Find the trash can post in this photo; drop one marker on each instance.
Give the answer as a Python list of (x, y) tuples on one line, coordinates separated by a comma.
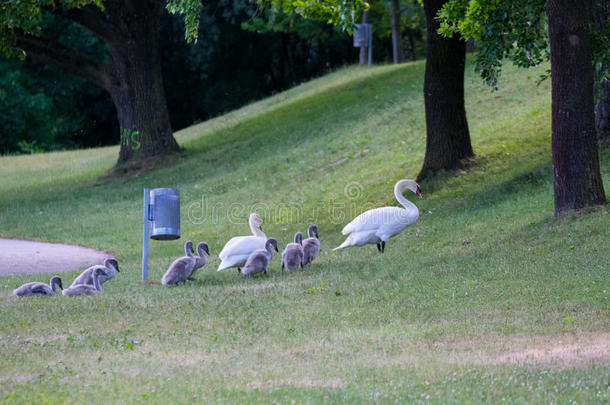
[(145, 235)]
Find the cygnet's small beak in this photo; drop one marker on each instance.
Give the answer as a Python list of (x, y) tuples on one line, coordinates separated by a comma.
[(206, 250)]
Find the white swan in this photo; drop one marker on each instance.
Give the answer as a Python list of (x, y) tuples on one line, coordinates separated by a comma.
[(238, 249), (380, 224)]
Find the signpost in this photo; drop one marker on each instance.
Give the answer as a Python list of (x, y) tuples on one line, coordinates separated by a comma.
[(363, 38)]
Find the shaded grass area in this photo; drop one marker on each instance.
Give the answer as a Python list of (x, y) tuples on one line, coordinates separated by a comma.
[(486, 298)]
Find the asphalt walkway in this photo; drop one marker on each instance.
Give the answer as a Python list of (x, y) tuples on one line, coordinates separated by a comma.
[(28, 257)]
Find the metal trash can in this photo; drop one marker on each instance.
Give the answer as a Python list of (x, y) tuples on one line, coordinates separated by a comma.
[(164, 213)]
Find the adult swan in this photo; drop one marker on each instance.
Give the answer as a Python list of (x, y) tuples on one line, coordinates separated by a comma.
[(238, 249), (380, 224)]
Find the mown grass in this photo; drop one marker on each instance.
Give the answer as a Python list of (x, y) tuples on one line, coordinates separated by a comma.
[(487, 298)]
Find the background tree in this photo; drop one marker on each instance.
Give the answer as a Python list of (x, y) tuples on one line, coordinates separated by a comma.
[(42, 108), (131, 73), (364, 50), (398, 55), (517, 29), (601, 44), (447, 135)]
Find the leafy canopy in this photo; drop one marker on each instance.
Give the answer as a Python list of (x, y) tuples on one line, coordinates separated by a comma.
[(512, 29), (342, 13), (27, 15)]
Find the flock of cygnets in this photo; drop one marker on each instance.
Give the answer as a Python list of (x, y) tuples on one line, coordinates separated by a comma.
[(88, 283), (249, 254), (252, 254)]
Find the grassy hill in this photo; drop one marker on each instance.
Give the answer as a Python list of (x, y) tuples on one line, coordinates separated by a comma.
[(487, 298)]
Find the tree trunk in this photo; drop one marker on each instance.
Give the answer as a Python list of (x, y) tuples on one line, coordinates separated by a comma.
[(397, 51), (447, 135), (412, 44), (600, 16), (364, 50), (602, 112), (577, 179), (138, 92)]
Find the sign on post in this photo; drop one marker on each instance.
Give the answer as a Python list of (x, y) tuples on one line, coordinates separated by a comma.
[(363, 38)]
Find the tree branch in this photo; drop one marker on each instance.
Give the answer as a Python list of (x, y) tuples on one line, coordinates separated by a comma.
[(92, 19), (53, 53)]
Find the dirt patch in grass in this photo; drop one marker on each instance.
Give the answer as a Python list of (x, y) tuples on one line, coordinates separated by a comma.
[(300, 382), (564, 351), (561, 351)]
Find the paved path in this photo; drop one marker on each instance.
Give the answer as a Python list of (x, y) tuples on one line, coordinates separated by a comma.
[(27, 257)]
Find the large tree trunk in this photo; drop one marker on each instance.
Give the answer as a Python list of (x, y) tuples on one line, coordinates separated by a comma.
[(364, 51), (600, 16), (447, 135), (397, 51), (577, 180), (138, 92)]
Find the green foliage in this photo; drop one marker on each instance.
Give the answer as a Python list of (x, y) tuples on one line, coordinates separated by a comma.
[(27, 122), (342, 13), (515, 29), (190, 9), (27, 16)]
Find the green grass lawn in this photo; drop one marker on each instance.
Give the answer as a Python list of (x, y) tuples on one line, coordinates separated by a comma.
[(487, 298)]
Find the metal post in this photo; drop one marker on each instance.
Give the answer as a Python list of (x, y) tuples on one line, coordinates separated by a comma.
[(145, 215), (370, 32)]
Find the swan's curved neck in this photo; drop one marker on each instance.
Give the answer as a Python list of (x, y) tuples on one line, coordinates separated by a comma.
[(256, 230), (54, 284), (96, 281), (201, 260), (401, 198), (269, 250), (187, 250)]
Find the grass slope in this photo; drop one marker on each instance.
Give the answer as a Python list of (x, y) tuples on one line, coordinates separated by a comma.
[(487, 298)]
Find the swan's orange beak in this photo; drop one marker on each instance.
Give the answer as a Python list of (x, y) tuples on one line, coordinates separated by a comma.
[(260, 227), (418, 192)]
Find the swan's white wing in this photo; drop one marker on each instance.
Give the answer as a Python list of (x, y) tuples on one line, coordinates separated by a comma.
[(242, 245), (237, 250), (232, 261), (374, 219)]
